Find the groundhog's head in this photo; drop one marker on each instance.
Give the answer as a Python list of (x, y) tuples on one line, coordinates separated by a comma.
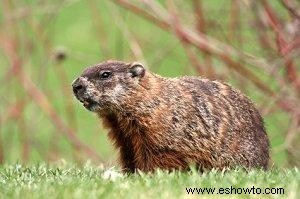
[(104, 86)]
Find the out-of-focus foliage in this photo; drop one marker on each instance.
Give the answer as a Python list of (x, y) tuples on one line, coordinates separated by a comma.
[(44, 45)]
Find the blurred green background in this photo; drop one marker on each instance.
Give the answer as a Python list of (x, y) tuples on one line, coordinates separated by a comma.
[(51, 42)]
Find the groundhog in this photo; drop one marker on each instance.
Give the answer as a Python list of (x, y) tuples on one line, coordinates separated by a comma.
[(172, 123)]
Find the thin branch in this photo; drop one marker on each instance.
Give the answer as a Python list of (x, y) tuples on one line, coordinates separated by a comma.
[(281, 44), (201, 42), (210, 44), (42, 101), (201, 27), (47, 108), (291, 6)]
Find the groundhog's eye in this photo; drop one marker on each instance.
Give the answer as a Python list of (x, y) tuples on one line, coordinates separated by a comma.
[(105, 75)]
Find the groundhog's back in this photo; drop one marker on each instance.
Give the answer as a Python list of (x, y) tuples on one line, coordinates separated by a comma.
[(195, 120)]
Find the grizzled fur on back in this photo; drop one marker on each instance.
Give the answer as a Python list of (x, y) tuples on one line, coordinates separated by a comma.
[(170, 123)]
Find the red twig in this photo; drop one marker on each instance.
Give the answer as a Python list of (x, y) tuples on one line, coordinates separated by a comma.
[(201, 27), (45, 105), (99, 26), (189, 52), (292, 7), (282, 44), (262, 33), (201, 42), (42, 101), (184, 34), (291, 46)]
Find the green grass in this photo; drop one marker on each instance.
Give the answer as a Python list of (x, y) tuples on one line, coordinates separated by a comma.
[(70, 181)]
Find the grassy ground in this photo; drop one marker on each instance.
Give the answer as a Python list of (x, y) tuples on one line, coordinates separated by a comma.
[(70, 181)]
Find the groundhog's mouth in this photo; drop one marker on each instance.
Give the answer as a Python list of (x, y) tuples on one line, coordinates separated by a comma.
[(89, 104)]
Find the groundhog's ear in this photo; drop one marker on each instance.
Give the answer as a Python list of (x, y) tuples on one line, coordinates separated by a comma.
[(137, 70)]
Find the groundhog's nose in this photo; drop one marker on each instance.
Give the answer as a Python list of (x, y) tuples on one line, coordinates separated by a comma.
[(77, 86)]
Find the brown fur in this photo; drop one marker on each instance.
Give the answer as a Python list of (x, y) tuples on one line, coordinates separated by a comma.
[(170, 123)]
